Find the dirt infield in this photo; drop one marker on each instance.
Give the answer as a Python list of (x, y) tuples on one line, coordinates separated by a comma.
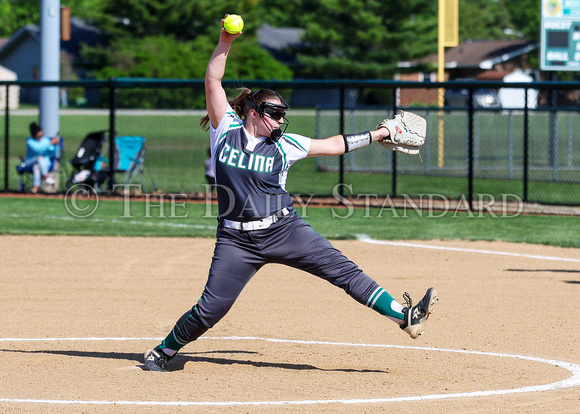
[(504, 337)]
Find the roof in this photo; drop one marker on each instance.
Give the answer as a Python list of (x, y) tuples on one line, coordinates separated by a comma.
[(279, 38), (19, 36), (280, 41), (80, 33), (482, 54)]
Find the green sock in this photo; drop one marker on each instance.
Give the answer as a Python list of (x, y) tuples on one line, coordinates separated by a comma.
[(172, 343), (384, 304)]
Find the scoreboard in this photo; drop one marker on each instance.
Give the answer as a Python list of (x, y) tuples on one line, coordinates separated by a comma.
[(560, 35)]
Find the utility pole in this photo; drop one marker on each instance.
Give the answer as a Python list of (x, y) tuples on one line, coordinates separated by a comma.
[(49, 66)]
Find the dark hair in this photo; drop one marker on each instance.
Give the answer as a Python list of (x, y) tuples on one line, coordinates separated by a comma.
[(238, 104), (259, 102), (34, 129)]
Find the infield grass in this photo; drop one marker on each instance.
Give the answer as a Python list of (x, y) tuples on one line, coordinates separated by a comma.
[(177, 218)]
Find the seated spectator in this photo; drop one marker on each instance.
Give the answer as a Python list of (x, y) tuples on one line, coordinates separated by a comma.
[(39, 150)]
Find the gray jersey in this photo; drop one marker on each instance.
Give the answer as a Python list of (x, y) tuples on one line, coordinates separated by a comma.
[(251, 171)]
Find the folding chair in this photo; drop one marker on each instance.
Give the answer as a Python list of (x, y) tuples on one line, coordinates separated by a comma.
[(129, 160), (56, 172)]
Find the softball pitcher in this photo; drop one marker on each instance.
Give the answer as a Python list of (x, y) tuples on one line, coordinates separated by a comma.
[(252, 154)]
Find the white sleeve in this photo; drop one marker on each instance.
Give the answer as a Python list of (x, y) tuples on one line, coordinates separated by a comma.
[(295, 147), (230, 118)]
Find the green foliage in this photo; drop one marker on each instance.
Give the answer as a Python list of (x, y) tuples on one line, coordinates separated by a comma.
[(356, 39), (167, 57), (483, 20), (177, 45), (525, 16), (250, 61), (183, 19), (16, 13), (152, 57)]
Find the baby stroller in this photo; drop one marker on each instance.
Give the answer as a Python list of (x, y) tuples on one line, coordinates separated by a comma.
[(92, 168), (84, 163)]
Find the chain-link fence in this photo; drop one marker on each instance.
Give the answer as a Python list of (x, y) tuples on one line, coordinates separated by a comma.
[(489, 138)]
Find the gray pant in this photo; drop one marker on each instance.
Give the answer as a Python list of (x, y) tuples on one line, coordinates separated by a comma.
[(239, 255)]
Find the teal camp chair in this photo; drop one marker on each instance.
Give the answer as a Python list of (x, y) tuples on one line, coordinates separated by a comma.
[(130, 160)]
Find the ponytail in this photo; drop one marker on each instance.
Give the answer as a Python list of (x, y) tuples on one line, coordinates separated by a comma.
[(238, 104)]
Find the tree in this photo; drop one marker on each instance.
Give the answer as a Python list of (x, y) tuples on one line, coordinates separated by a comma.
[(483, 20), (175, 38), (356, 39), (525, 16), (166, 57), (183, 19), (16, 13)]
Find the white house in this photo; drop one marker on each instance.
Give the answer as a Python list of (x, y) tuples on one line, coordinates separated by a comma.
[(13, 90)]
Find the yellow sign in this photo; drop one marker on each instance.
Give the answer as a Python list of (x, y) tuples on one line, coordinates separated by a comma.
[(448, 36), (451, 23)]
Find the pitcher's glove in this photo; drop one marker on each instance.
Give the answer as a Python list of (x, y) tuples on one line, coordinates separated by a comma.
[(407, 132)]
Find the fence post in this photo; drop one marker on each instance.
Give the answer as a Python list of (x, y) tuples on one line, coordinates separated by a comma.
[(318, 122), (570, 139), (526, 143), (394, 153), (476, 126), (510, 144), (112, 132), (554, 128), (6, 139), (341, 156), (428, 144), (470, 149)]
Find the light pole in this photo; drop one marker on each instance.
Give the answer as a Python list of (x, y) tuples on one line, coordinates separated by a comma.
[(49, 65)]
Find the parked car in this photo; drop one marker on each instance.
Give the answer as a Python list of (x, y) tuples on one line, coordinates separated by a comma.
[(482, 98)]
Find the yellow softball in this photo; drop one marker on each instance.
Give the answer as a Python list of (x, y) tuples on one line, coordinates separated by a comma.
[(233, 23)]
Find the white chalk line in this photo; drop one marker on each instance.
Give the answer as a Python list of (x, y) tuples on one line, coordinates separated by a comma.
[(361, 237), (572, 381), (366, 239)]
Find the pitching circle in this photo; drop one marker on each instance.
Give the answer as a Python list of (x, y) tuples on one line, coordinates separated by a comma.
[(572, 381)]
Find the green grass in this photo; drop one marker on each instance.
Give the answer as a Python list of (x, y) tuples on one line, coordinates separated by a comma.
[(131, 218)]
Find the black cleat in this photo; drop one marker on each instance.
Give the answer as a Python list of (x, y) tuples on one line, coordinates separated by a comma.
[(416, 316), (156, 360)]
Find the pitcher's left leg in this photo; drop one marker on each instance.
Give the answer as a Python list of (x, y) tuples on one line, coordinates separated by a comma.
[(305, 249)]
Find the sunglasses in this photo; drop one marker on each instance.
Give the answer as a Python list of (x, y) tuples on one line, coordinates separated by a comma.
[(275, 115)]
